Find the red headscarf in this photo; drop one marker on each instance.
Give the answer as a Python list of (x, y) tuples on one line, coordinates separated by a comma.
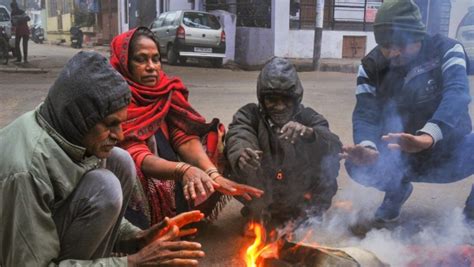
[(149, 108), (168, 99)]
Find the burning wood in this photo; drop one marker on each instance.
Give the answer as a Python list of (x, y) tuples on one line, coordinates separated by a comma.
[(287, 253)]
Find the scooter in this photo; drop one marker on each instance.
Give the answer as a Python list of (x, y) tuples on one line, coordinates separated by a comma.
[(76, 37), (4, 46), (37, 34)]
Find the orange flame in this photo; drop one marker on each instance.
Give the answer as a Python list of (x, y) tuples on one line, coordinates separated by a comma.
[(258, 248)]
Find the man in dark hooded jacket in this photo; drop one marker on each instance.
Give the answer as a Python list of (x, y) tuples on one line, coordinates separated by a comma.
[(283, 148), (64, 186)]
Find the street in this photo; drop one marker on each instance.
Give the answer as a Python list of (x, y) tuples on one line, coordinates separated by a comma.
[(219, 93)]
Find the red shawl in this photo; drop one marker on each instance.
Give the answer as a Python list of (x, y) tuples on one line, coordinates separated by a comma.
[(166, 102)]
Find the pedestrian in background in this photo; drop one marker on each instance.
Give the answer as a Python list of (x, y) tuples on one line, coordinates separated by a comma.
[(22, 32)]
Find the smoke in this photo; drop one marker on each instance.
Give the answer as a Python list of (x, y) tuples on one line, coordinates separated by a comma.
[(413, 240)]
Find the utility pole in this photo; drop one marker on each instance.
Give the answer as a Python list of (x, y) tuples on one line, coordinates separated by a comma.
[(318, 33)]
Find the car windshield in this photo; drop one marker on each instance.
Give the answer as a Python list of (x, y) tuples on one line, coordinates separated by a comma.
[(200, 20), (4, 15)]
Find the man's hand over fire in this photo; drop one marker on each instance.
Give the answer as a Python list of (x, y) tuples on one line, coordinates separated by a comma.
[(359, 155), (159, 246), (250, 158), (293, 130), (407, 142), (232, 188)]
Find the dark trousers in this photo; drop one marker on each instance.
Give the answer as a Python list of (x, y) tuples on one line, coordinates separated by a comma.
[(89, 220), (18, 38), (443, 163)]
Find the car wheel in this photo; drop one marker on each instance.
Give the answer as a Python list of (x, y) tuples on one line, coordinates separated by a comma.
[(183, 60), (171, 55), (216, 62)]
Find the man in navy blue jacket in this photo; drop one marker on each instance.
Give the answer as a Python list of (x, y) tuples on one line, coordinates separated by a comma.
[(411, 121)]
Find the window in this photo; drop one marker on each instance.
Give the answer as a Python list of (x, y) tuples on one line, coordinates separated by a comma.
[(4, 15), (468, 20), (200, 20), (53, 8), (169, 19), (159, 21), (350, 14), (302, 14)]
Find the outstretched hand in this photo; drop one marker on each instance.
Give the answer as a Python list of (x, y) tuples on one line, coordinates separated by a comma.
[(196, 181), (232, 188), (161, 247), (407, 142), (250, 158), (293, 130), (359, 155)]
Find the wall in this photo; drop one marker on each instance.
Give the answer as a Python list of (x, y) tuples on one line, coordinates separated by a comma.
[(179, 4), (254, 46), (301, 43), (228, 22), (459, 8)]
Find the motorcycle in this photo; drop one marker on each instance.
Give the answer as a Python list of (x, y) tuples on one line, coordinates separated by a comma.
[(37, 34), (4, 46), (76, 37)]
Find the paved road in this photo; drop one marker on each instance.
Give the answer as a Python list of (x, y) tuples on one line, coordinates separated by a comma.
[(219, 93)]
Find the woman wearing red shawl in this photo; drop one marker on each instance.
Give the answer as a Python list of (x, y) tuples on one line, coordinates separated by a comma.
[(161, 129)]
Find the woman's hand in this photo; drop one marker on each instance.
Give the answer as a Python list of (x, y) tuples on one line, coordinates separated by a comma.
[(166, 251), (195, 181), (229, 187)]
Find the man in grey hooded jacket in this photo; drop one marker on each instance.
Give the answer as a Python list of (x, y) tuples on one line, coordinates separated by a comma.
[(64, 186), (283, 148)]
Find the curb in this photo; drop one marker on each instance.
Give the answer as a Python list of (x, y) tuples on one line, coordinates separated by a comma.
[(24, 70)]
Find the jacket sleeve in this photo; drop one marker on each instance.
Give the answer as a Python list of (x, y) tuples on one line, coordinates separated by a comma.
[(242, 134), (367, 111), (456, 97), (28, 236)]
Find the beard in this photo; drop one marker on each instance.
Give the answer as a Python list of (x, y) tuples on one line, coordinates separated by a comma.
[(280, 118)]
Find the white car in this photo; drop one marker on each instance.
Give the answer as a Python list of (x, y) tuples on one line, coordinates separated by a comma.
[(5, 20), (465, 35), (188, 33)]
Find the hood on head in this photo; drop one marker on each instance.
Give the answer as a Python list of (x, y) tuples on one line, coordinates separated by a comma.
[(86, 91), (279, 76)]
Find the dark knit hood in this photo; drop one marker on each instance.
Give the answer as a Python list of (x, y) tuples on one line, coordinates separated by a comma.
[(398, 22), (279, 76), (86, 91)]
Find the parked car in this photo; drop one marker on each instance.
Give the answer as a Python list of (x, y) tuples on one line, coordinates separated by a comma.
[(183, 34), (5, 22), (465, 35)]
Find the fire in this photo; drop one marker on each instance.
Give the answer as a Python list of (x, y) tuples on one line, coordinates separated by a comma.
[(258, 247)]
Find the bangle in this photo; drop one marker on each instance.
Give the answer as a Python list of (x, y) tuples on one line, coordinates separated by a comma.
[(211, 171), (216, 176), (180, 169)]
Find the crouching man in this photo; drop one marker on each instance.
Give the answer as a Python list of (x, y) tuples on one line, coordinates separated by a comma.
[(411, 121), (283, 148), (64, 186)]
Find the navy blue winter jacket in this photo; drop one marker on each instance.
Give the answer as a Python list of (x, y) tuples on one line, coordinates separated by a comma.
[(430, 95)]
